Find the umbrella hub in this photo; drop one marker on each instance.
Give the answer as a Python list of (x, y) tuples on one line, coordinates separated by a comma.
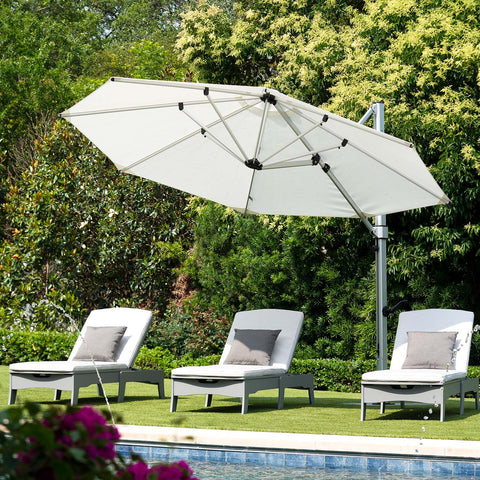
[(268, 97), (254, 164)]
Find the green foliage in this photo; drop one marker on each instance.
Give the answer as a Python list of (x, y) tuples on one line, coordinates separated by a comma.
[(248, 45), (84, 236), (143, 59), (245, 262), (334, 374), (196, 333), (421, 59), (43, 46), (31, 346), (161, 358)]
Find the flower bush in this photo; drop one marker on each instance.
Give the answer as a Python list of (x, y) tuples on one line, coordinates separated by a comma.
[(72, 443)]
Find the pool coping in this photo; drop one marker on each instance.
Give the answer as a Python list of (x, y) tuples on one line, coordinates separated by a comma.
[(340, 444), (417, 457)]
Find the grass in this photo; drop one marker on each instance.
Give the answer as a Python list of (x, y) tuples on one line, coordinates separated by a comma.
[(334, 413)]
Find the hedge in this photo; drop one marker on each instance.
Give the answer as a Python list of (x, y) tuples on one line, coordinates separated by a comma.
[(329, 373), (25, 346)]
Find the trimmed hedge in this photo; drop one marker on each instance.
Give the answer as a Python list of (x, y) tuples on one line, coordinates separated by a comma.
[(24, 346), (329, 373), (334, 374), (161, 358)]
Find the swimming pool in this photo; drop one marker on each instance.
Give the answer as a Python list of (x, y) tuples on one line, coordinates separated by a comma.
[(250, 464), (324, 456), (215, 471)]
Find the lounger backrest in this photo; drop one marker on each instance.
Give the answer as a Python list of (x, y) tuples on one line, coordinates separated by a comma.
[(288, 321), (435, 320), (137, 322)]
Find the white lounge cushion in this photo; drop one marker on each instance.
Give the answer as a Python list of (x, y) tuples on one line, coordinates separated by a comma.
[(435, 320), (288, 322), (227, 371), (66, 367), (137, 322), (412, 376)]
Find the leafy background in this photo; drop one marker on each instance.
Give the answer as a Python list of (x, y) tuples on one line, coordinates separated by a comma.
[(75, 231)]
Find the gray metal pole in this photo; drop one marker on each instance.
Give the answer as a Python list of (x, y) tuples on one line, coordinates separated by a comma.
[(381, 233)]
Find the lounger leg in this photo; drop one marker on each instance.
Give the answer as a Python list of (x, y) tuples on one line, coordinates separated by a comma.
[(57, 395), (442, 412), (382, 407), (208, 400), (281, 396), (311, 396), (121, 390), (99, 390), (161, 389), (245, 404), (476, 400), (362, 407), (12, 397), (74, 399), (173, 403)]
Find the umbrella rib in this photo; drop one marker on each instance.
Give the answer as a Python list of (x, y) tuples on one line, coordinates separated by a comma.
[(249, 191), (262, 129), (188, 86), (212, 137), (225, 124), (394, 170), (176, 142), (284, 162), (347, 196), (376, 159), (67, 114)]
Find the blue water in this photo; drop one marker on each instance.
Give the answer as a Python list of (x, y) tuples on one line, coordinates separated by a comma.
[(225, 471)]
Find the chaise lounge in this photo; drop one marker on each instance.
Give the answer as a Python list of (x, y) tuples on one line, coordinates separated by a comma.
[(105, 350), (429, 362), (257, 356)]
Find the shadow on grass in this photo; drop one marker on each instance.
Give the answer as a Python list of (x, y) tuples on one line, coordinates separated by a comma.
[(419, 412)]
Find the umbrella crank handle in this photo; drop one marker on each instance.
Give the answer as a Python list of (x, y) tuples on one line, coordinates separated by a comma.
[(402, 303)]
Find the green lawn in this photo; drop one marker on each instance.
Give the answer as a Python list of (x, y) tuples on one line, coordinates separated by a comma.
[(333, 412)]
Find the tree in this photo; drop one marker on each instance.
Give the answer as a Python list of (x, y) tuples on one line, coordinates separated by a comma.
[(421, 59), (43, 45), (248, 45), (83, 236)]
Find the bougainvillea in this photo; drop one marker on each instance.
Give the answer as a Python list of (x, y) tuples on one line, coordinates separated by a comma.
[(70, 444)]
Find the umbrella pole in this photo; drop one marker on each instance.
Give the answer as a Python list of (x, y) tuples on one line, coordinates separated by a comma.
[(380, 230)]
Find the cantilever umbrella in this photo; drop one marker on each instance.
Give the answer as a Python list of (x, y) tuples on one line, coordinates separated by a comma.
[(253, 149)]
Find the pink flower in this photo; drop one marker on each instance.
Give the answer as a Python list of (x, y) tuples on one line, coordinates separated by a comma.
[(139, 471)]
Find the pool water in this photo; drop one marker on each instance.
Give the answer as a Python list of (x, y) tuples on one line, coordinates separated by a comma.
[(225, 471)]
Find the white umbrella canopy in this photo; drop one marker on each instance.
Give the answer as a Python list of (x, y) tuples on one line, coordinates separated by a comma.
[(259, 151), (253, 149)]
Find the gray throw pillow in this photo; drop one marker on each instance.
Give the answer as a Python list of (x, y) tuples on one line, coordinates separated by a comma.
[(430, 350), (101, 343), (252, 347)]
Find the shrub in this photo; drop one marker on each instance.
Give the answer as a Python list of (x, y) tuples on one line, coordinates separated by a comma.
[(72, 444), (24, 346), (161, 358), (333, 373)]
